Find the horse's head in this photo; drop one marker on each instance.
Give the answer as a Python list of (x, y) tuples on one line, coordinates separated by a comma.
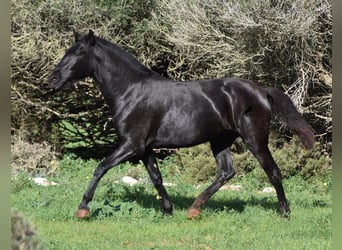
[(77, 63)]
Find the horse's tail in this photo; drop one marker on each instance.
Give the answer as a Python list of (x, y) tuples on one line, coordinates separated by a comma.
[(283, 106)]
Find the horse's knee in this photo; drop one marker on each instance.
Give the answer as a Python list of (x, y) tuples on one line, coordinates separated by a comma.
[(157, 180), (225, 168), (274, 175), (101, 170), (224, 176)]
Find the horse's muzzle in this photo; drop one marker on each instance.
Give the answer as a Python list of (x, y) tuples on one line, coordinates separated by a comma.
[(56, 82)]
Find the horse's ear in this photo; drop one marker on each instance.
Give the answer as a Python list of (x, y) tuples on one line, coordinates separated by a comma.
[(91, 38), (76, 35)]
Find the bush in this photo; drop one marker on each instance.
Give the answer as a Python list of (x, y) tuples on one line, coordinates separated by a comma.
[(197, 164), (291, 158), (275, 43), (34, 158), (40, 35), (24, 234)]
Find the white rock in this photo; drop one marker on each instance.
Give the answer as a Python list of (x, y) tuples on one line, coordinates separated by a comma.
[(231, 187), (168, 184), (268, 190), (43, 182), (235, 187), (129, 180)]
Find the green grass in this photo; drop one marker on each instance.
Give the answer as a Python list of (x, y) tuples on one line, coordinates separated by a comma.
[(124, 217)]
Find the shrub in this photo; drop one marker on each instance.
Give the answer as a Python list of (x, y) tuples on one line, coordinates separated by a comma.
[(20, 181), (40, 35), (34, 158), (291, 158), (198, 165), (24, 234), (276, 43)]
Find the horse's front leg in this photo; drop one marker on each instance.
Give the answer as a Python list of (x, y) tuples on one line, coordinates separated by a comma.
[(122, 152), (153, 170)]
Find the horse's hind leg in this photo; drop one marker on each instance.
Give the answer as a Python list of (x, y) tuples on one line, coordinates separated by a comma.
[(225, 171), (153, 170), (254, 132), (256, 142), (274, 175)]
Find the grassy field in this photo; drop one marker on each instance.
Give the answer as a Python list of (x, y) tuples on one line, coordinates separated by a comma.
[(129, 217)]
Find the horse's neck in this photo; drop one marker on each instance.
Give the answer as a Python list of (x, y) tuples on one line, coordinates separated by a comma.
[(116, 71)]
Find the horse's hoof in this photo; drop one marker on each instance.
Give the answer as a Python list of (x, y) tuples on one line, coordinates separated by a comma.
[(193, 212), (286, 215), (82, 213), (167, 213)]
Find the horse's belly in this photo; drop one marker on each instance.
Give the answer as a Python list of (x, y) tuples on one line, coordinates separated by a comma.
[(187, 131)]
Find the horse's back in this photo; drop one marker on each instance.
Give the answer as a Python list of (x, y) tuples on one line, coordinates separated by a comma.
[(193, 113)]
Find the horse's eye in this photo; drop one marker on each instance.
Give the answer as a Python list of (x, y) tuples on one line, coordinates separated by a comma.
[(80, 50)]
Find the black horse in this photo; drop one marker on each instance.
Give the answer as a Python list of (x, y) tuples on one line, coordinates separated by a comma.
[(151, 111)]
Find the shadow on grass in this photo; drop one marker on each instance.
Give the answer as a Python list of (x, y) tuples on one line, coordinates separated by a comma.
[(181, 202)]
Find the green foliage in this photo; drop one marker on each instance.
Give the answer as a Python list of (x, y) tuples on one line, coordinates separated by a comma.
[(197, 164), (20, 182), (291, 158), (75, 135)]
